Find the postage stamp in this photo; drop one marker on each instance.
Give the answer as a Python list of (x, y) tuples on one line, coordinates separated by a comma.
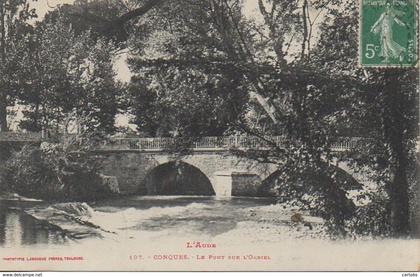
[(388, 33)]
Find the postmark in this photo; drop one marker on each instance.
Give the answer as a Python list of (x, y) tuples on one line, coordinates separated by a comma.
[(388, 33)]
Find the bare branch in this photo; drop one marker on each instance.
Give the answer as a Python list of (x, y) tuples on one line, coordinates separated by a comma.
[(106, 24), (138, 11)]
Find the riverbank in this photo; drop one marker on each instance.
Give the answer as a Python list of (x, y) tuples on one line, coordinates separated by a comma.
[(16, 197)]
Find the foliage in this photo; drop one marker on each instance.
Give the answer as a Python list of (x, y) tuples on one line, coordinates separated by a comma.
[(385, 112), (71, 78), (322, 194), (371, 220), (14, 15), (26, 174), (99, 17), (179, 89), (101, 91), (55, 171), (185, 103)]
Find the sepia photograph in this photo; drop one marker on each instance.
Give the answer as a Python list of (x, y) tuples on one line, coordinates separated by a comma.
[(209, 135)]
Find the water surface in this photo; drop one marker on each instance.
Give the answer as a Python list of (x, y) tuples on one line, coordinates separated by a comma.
[(132, 216)]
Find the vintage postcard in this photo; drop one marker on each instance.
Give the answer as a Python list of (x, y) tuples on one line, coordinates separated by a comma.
[(209, 135)]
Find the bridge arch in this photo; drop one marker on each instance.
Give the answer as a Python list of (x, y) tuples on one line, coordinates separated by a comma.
[(176, 178), (272, 183), (227, 174)]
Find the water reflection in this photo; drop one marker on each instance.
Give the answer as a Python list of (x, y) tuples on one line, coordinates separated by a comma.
[(19, 229)]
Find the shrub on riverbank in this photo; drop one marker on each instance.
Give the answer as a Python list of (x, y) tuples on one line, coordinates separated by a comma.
[(321, 193), (371, 219), (364, 214), (6, 150), (55, 171)]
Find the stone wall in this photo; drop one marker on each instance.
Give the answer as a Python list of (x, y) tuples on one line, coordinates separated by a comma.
[(245, 184), (132, 167)]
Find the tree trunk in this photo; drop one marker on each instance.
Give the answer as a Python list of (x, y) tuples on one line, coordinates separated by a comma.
[(399, 206), (398, 190), (394, 123), (3, 112), (3, 98)]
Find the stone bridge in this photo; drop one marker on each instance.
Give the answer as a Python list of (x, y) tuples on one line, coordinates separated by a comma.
[(138, 163), (145, 166)]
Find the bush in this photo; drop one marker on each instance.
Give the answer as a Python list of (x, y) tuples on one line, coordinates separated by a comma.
[(59, 171), (27, 174), (371, 219), (321, 192), (6, 150)]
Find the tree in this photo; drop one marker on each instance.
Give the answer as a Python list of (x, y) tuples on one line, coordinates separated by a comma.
[(72, 80), (54, 64), (101, 91), (186, 102), (59, 172), (14, 15), (385, 112), (105, 18)]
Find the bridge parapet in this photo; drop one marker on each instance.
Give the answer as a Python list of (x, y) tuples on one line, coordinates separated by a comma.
[(163, 144), (212, 143), (204, 144)]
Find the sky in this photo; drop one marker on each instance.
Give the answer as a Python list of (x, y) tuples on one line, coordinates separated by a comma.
[(43, 6)]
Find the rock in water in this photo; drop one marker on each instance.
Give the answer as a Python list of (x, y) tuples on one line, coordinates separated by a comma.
[(111, 182), (75, 208), (296, 218), (74, 219)]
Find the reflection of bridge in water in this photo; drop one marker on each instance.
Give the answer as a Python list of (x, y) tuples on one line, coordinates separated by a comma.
[(147, 166)]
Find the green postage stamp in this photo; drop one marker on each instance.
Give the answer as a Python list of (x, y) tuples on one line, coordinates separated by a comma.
[(388, 33)]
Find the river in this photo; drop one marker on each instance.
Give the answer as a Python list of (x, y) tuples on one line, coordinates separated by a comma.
[(131, 216), (138, 232)]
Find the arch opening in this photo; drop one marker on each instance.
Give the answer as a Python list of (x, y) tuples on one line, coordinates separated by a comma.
[(176, 178), (271, 185)]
